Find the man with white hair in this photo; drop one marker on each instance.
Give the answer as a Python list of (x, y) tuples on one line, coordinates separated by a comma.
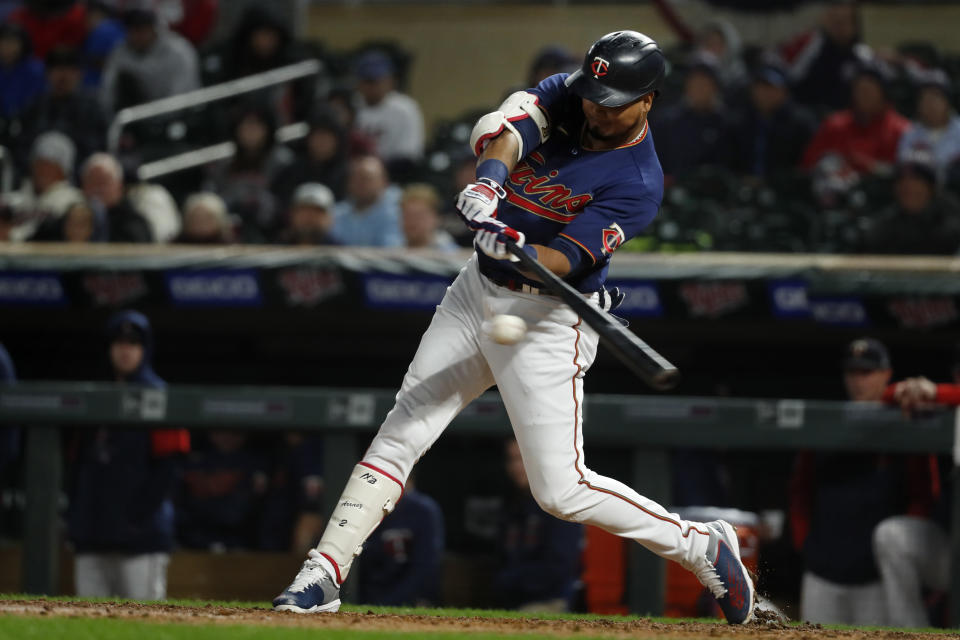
[(49, 191), (102, 180)]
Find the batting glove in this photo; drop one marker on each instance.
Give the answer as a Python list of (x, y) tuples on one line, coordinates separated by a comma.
[(479, 201), (611, 298), (491, 240)]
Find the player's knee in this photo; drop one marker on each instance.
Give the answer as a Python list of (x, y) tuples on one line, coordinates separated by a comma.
[(557, 503), (888, 537)]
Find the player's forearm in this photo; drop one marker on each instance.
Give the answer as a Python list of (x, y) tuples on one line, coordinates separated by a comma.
[(503, 148)]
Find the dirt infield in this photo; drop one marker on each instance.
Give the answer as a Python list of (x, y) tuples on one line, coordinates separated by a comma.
[(211, 614)]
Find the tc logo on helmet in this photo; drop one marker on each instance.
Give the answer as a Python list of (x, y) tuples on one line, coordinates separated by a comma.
[(599, 66)]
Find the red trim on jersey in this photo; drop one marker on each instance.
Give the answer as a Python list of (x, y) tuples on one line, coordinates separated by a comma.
[(382, 472), (577, 242), (336, 567), (519, 201), (576, 463)]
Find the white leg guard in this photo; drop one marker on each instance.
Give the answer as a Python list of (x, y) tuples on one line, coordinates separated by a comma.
[(368, 497)]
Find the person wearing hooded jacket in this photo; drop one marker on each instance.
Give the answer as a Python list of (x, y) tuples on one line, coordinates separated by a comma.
[(121, 513), (323, 157)]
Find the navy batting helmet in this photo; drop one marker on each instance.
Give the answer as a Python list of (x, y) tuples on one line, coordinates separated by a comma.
[(619, 68)]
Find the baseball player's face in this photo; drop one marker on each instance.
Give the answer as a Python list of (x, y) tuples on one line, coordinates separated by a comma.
[(866, 385), (616, 124)]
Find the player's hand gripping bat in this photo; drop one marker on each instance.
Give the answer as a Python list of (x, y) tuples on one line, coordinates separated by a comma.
[(636, 354)]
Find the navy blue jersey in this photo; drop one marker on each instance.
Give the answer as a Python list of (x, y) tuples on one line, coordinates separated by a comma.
[(573, 199)]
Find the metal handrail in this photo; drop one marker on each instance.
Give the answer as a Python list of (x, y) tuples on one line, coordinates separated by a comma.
[(220, 151), (213, 93)]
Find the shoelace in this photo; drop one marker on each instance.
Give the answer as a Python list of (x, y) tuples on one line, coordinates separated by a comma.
[(308, 573), (708, 577)]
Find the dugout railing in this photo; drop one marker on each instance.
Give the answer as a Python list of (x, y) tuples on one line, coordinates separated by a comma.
[(648, 426)]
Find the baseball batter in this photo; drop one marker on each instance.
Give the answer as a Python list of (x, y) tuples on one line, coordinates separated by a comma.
[(567, 170)]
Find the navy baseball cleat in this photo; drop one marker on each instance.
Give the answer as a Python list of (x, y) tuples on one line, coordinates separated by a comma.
[(314, 590), (725, 576)]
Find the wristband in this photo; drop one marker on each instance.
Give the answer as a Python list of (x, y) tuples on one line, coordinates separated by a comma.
[(493, 169)]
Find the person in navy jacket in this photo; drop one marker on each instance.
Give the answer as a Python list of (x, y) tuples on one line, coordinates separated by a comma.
[(121, 515)]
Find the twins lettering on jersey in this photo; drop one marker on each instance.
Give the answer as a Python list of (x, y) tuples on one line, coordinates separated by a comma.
[(542, 195)]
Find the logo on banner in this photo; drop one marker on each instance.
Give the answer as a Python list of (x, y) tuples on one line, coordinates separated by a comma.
[(641, 298), (714, 299), (214, 288), (848, 312), (789, 299), (306, 287), (923, 313), (114, 289), (599, 66), (404, 292), (31, 289), (613, 237)]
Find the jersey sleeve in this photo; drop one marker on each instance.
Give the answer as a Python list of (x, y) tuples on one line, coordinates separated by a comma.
[(608, 222), (551, 95)]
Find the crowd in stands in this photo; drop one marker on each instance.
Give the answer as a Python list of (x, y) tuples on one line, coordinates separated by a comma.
[(821, 144)]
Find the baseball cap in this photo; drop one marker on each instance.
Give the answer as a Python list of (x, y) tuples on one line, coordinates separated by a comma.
[(771, 74), (933, 78), (57, 148), (374, 65), (314, 194), (63, 57), (705, 62), (126, 331), (866, 354)]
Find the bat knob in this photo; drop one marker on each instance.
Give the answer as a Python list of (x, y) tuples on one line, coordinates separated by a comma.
[(666, 379)]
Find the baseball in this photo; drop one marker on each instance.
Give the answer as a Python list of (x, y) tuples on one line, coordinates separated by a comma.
[(507, 329)]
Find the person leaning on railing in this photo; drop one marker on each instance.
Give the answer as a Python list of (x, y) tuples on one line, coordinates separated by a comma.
[(912, 551)]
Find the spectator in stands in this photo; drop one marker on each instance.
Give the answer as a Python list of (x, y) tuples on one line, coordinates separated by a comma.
[(49, 192), (540, 555), (721, 38), (344, 104), (102, 180), (923, 220), (321, 158), (370, 216), (151, 63), (82, 222), (937, 126), (205, 220), (66, 106), (9, 436), (21, 75), (837, 499), (821, 60), (772, 131), (195, 20), (403, 558), (391, 118), (293, 511), (693, 133), (104, 34), (51, 23), (865, 136), (244, 180), (6, 222), (420, 217), (550, 60), (310, 219), (262, 41), (221, 494), (120, 514)]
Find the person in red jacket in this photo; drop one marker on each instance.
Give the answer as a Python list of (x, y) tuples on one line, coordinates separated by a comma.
[(52, 23), (865, 136), (912, 552)]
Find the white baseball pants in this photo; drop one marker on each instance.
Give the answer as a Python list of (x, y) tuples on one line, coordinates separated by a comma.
[(120, 575), (912, 554), (541, 382)]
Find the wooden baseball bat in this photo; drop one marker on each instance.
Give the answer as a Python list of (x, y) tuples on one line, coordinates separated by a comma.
[(637, 355)]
